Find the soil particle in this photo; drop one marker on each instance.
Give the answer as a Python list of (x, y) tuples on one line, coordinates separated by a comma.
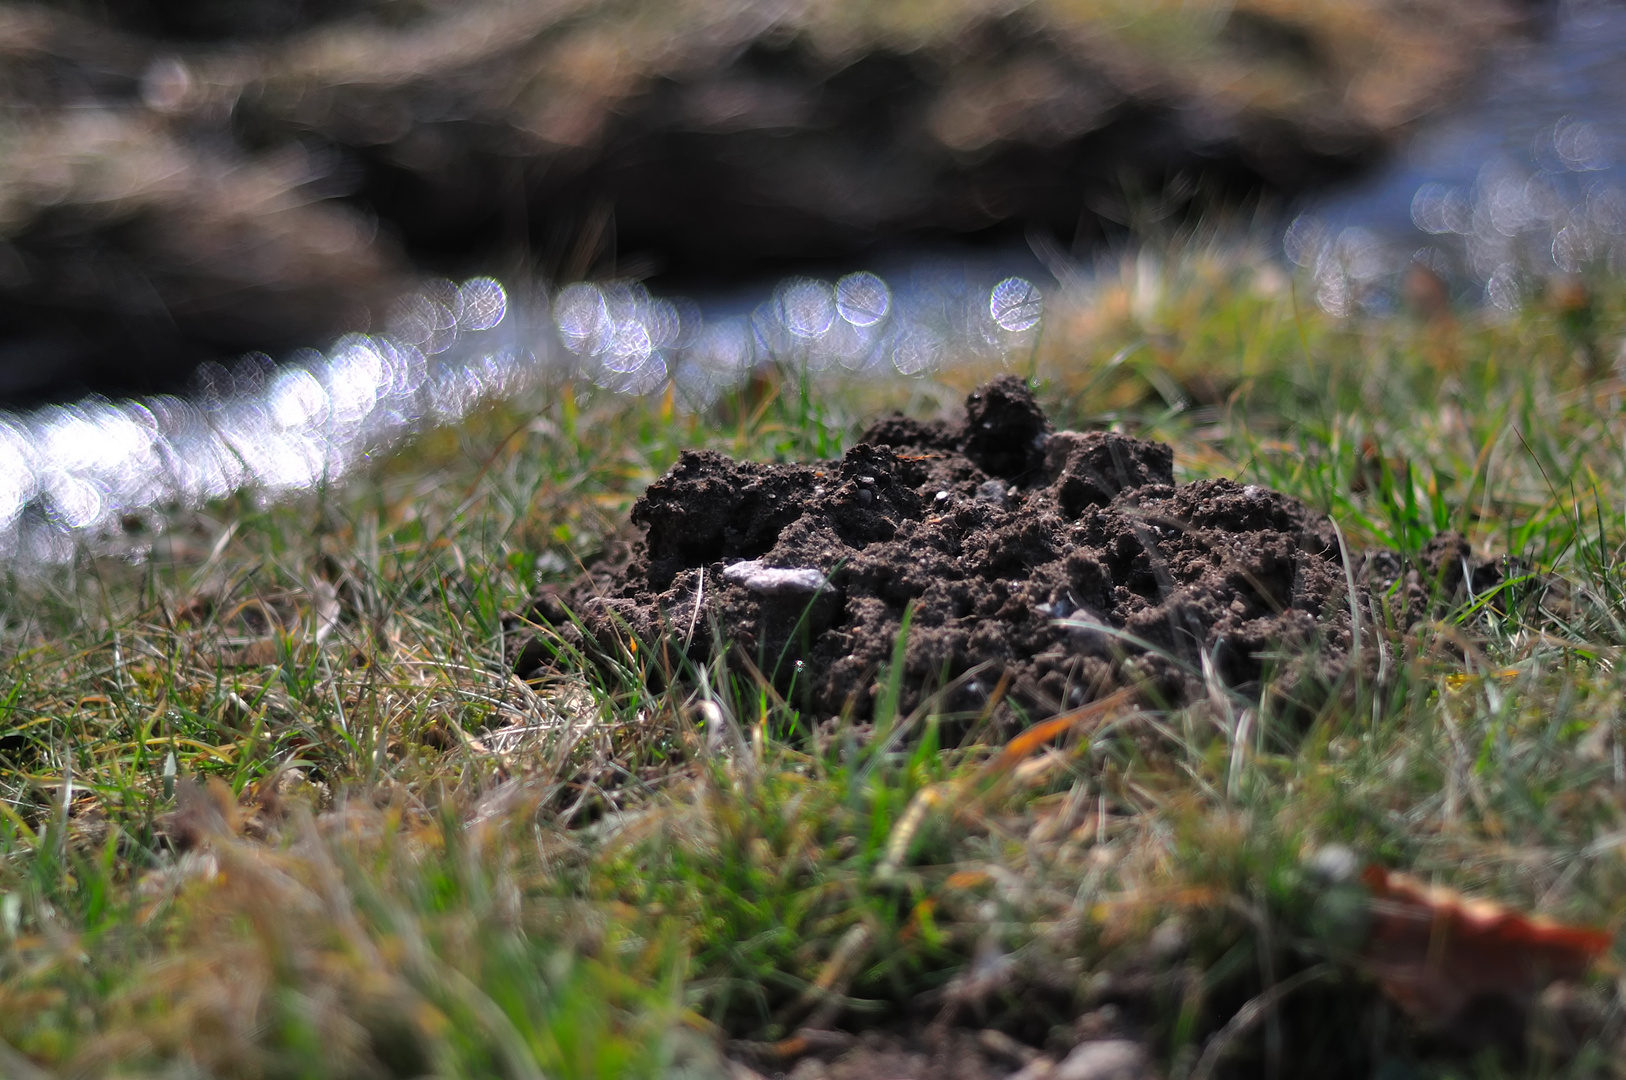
[(928, 1055), (1059, 565), (957, 1054)]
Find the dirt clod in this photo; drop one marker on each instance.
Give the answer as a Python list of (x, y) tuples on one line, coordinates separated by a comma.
[(1057, 565)]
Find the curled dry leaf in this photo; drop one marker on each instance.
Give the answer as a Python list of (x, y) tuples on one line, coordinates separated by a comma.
[(1442, 956)]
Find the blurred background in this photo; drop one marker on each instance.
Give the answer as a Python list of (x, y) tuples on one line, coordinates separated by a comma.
[(192, 180), (249, 241)]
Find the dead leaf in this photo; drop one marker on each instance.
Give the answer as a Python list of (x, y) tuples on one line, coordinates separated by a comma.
[(1437, 953), (1024, 744)]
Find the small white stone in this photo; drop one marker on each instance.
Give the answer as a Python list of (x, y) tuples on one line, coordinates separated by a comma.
[(1334, 864), (1105, 1059), (551, 562), (774, 580), (1099, 1059)]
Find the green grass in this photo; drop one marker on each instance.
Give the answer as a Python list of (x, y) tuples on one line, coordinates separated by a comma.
[(274, 807)]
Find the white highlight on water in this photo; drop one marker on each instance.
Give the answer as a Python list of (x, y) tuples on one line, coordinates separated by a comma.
[(90, 470)]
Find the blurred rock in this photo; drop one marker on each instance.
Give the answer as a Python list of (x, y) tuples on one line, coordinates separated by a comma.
[(134, 246), (128, 257), (193, 180)]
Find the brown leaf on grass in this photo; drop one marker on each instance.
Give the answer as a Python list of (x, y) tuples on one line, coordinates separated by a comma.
[(1442, 956), (1029, 741)]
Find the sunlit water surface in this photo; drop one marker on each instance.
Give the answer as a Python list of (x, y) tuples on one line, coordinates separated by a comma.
[(1526, 184), (91, 471)]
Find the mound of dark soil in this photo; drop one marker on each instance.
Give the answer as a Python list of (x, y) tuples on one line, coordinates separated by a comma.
[(1064, 564)]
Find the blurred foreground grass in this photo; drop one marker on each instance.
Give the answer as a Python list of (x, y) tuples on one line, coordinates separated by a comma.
[(274, 807)]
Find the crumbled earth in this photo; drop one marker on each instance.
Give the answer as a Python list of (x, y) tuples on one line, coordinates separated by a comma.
[(1057, 565)]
